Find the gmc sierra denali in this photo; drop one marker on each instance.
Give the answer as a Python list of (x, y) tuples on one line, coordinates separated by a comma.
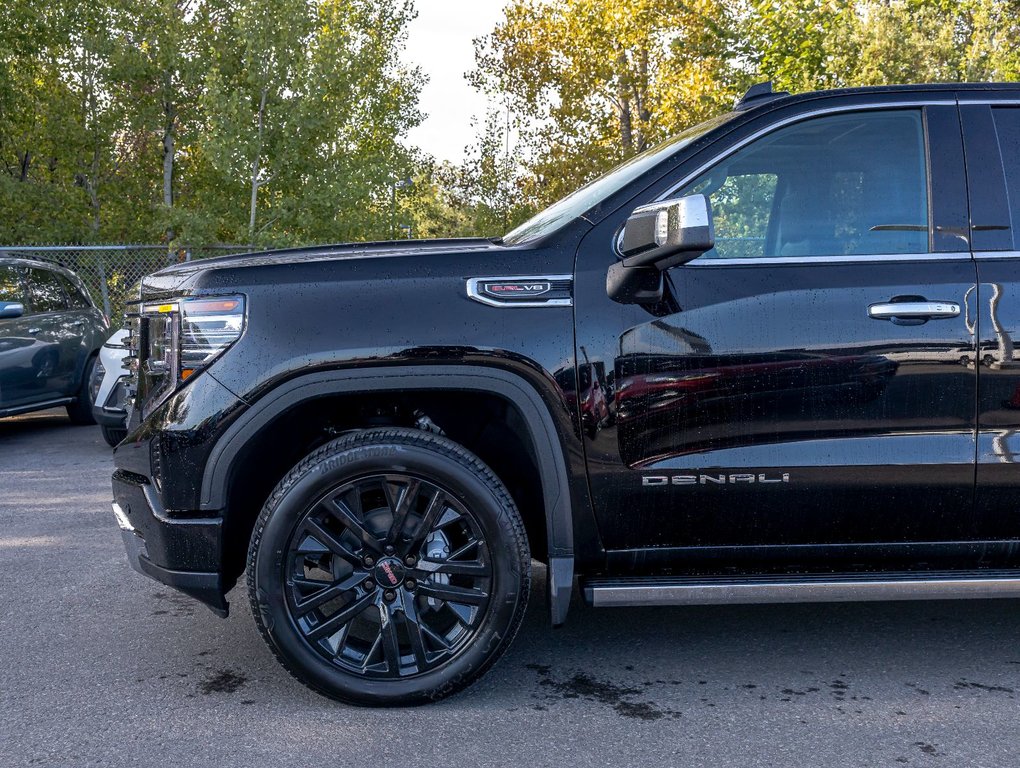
[(769, 360)]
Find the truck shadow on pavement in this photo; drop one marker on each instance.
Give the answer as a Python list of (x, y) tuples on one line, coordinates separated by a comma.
[(647, 665)]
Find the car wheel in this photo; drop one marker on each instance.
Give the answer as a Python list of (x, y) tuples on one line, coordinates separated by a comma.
[(80, 411), (113, 435), (389, 567)]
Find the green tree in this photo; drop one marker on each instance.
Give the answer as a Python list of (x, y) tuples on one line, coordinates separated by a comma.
[(592, 82), (808, 44), (304, 106), (160, 71), (40, 128)]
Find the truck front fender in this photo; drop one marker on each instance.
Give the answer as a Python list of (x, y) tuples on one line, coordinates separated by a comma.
[(545, 442)]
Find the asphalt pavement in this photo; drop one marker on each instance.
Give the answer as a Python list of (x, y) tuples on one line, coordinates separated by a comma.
[(100, 666)]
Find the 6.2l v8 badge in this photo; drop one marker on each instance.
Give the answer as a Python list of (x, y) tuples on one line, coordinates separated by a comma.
[(522, 290)]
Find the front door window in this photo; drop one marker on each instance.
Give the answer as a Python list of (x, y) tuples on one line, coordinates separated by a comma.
[(832, 186)]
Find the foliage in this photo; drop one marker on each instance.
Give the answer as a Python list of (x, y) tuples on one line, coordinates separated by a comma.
[(591, 83), (281, 121), (201, 120)]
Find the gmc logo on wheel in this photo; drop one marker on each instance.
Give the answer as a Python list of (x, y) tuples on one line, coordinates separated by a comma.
[(390, 575)]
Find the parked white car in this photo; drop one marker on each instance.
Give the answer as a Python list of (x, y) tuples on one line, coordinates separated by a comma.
[(109, 388)]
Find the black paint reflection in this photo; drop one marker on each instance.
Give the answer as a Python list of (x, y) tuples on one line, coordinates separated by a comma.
[(715, 401)]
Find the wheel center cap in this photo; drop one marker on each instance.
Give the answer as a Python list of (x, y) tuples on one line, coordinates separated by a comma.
[(389, 572)]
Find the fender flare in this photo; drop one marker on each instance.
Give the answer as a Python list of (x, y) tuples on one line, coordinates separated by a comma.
[(545, 442)]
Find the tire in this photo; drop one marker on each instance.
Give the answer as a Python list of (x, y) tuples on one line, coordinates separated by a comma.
[(390, 567), (113, 435), (80, 411)]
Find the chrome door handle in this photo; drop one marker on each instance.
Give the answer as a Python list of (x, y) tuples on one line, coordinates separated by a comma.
[(34, 330), (914, 310)]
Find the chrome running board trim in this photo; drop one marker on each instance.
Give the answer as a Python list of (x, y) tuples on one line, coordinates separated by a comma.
[(610, 593)]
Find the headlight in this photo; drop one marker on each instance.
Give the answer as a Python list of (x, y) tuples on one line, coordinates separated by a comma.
[(208, 327), (184, 336)]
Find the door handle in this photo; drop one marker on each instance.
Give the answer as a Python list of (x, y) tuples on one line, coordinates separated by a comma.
[(34, 331), (914, 312)]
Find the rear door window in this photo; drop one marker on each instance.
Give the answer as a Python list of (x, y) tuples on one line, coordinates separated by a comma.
[(45, 292), (11, 287), (75, 297), (1007, 127)]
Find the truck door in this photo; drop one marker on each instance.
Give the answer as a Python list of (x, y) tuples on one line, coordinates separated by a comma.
[(992, 139), (811, 380)]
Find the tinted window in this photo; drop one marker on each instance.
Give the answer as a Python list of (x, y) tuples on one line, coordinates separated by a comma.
[(75, 297), (831, 186), (1007, 126), (10, 285), (573, 205), (45, 292)]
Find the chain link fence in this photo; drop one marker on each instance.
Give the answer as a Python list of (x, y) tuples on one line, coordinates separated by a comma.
[(110, 271)]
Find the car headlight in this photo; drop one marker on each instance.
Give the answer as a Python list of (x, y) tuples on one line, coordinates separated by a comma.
[(208, 328), (184, 336)]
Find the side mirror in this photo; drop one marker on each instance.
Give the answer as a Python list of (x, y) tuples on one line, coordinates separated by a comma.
[(656, 237), (9, 309)]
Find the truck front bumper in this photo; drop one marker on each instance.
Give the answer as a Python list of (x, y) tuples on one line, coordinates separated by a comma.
[(183, 553)]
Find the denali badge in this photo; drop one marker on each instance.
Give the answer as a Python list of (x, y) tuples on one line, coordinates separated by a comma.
[(744, 477)]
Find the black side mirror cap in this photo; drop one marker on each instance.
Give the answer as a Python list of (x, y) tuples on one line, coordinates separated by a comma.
[(634, 285), (656, 237)]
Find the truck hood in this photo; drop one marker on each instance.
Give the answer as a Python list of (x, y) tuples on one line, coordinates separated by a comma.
[(173, 278)]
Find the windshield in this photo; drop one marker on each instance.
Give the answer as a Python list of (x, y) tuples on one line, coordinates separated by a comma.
[(588, 196)]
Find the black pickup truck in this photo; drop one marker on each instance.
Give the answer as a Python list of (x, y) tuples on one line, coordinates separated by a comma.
[(770, 360)]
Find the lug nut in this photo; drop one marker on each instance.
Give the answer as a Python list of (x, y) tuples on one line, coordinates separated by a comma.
[(389, 595), (369, 561), (369, 584), (410, 562), (410, 584), (390, 550)]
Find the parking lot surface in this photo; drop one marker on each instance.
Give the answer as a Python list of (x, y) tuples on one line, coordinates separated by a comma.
[(101, 666)]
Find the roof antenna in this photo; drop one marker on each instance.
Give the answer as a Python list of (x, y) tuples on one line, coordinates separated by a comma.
[(758, 93)]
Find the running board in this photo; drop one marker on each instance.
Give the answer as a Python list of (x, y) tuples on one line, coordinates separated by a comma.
[(806, 588), (16, 410)]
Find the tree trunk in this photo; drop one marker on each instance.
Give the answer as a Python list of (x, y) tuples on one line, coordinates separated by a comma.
[(623, 108), (255, 168), (640, 91), (169, 130), (168, 159)]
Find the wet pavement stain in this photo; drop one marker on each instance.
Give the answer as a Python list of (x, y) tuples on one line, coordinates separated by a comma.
[(963, 684), (839, 689), (584, 686), (174, 604), (928, 749), (224, 681)]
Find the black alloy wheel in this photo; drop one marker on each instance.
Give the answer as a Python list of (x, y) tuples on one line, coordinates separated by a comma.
[(389, 567)]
